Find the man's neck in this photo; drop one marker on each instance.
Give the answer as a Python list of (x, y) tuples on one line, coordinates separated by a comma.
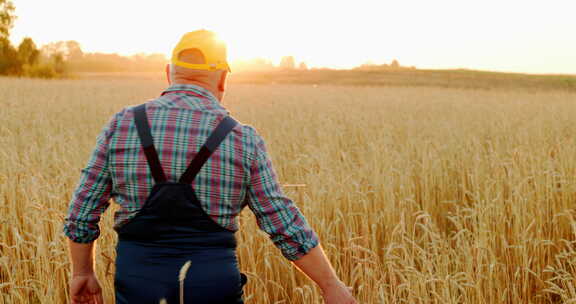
[(203, 85)]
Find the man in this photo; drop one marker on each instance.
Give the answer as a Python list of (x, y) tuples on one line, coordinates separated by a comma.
[(182, 170)]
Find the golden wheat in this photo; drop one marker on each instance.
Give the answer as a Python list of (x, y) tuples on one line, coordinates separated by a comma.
[(419, 195)]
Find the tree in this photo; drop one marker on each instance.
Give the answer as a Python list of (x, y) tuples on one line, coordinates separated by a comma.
[(287, 63), (58, 47), (70, 49), (58, 63), (74, 50), (303, 66), (28, 52), (9, 61), (7, 18), (395, 64)]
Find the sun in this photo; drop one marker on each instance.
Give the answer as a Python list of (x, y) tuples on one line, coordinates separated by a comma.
[(239, 45)]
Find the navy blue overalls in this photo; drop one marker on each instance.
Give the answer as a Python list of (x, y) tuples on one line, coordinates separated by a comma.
[(171, 229)]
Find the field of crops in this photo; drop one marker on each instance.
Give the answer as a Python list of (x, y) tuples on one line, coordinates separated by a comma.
[(419, 195)]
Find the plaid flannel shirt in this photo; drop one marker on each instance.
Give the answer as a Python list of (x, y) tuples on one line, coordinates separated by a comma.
[(239, 173)]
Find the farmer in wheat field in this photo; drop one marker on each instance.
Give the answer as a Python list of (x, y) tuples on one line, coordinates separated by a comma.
[(181, 170)]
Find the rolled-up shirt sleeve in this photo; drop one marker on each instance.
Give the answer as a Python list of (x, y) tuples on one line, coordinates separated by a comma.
[(275, 213), (92, 194)]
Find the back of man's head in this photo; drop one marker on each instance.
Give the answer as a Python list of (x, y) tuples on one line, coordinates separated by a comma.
[(200, 59)]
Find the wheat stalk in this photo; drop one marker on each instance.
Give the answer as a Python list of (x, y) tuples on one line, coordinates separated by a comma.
[(182, 277)]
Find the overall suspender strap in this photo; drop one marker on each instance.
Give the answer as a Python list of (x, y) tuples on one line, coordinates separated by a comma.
[(147, 142), (212, 143)]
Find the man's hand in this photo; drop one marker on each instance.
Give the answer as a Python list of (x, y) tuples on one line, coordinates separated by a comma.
[(84, 286), (85, 289), (338, 293)]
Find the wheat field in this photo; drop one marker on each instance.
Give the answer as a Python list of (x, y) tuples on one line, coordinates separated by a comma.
[(419, 195)]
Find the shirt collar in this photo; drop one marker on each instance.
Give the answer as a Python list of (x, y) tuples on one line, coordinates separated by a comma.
[(208, 99)]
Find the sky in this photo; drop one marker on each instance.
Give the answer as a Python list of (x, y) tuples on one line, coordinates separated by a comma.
[(524, 36)]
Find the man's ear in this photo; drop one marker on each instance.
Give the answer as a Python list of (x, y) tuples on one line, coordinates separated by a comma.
[(222, 82), (168, 74)]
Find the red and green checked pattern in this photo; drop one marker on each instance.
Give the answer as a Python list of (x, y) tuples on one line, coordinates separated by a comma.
[(239, 173)]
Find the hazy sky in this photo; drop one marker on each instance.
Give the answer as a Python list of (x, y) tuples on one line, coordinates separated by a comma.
[(503, 35)]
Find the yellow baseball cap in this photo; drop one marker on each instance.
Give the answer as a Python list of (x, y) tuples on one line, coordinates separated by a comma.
[(214, 51)]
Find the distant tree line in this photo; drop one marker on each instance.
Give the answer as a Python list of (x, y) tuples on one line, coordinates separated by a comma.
[(61, 58), (77, 61), (64, 58), (394, 65), (26, 59), (289, 63), (261, 64)]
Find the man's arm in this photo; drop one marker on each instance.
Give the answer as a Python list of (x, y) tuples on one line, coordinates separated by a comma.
[(278, 216), (91, 197), (82, 257), (317, 267), (90, 200), (275, 213)]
